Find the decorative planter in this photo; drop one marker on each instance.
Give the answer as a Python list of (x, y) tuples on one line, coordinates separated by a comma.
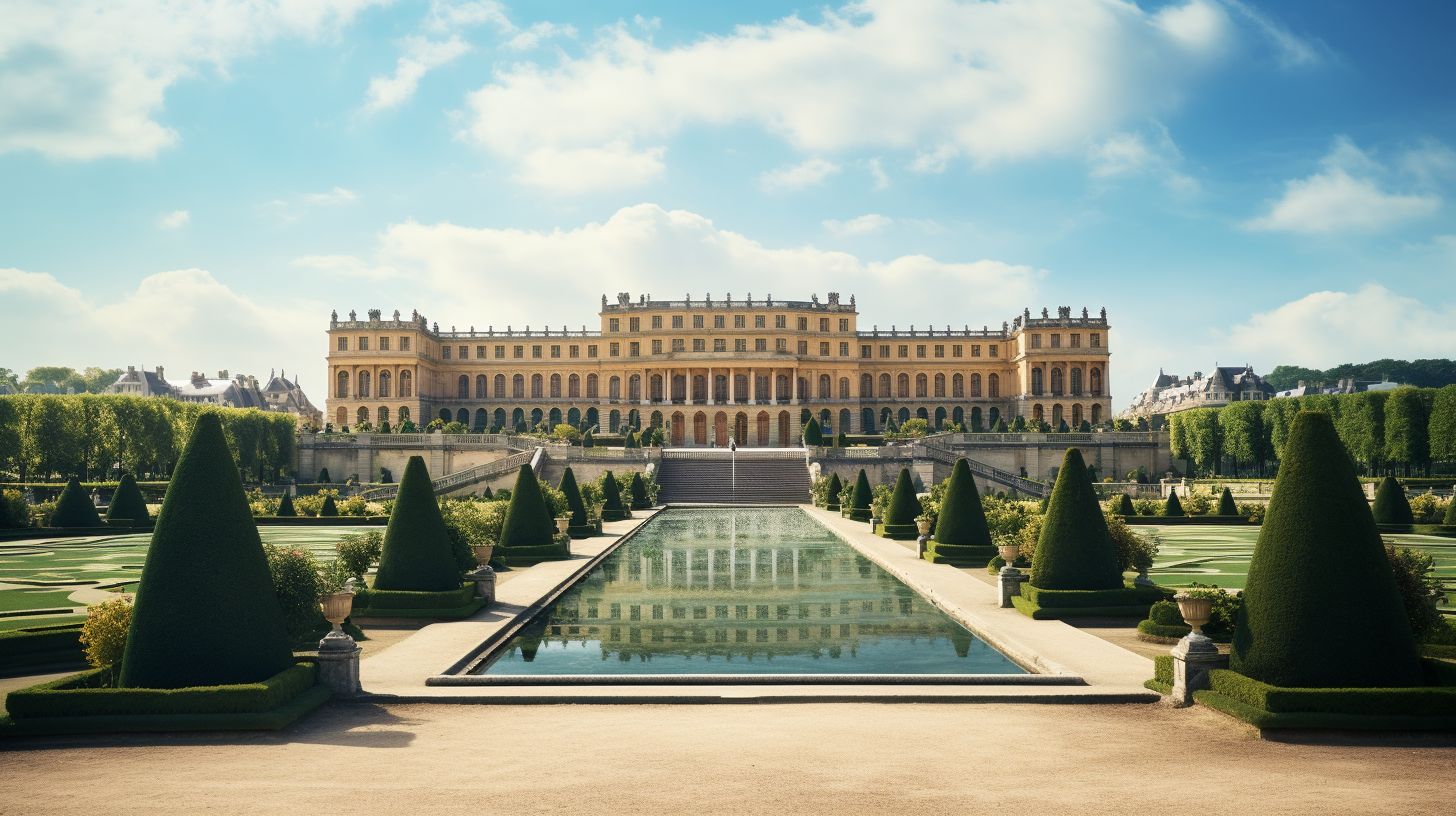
[(562, 522), (1195, 610), (482, 553), (923, 525), (336, 608), (1009, 553)]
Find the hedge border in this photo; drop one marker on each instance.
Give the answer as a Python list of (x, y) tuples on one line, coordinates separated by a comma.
[(1085, 603), (41, 646), (1162, 681), (1193, 521), (958, 555), (387, 600), (856, 514), (530, 556), (900, 532)]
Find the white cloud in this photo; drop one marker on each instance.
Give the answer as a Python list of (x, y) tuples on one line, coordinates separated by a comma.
[(537, 33), (1324, 329), (1346, 195), (1293, 51), (942, 80), (859, 225), (445, 270), (176, 219), (184, 319), (877, 172), (808, 173), (293, 208), (1133, 154), (330, 198), (587, 169), (344, 266), (420, 57), (445, 17), (86, 79)]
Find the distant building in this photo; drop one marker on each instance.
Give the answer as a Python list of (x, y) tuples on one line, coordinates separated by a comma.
[(1171, 393), (139, 383), (240, 391), (1343, 386), (283, 394)]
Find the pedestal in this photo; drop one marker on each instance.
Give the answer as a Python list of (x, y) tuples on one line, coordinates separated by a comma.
[(1008, 581), (1193, 658), (338, 662), (484, 578), (921, 545)]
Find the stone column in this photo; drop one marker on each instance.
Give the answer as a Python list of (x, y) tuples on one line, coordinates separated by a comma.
[(732, 392), (1008, 583), (338, 664), (773, 386), (794, 386), (1193, 658), (708, 378)]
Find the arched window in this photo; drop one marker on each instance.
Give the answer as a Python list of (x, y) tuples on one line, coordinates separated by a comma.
[(614, 391), (404, 413), (1036, 382), (654, 387), (885, 386), (341, 416), (1056, 382), (866, 386), (939, 385), (518, 386), (1096, 414), (480, 387), (844, 392), (1077, 415), (463, 387), (1056, 416), (591, 386), (363, 386), (406, 387), (993, 386), (824, 387), (957, 386), (500, 386), (341, 390), (1094, 379), (634, 387), (384, 383), (902, 386), (1076, 381), (555, 386), (975, 386), (536, 388), (1037, 413), (383, 413), (921, 385), (363, 414)]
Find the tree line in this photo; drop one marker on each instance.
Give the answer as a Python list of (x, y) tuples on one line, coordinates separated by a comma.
[(1428, 373), (61, 380), (1399, 432), (43, 436)]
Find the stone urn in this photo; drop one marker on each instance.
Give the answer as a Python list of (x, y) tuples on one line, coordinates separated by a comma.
[(482, 553), (562, 522), (1195, 609), (923, 525), (336, 607), (1009, 553)]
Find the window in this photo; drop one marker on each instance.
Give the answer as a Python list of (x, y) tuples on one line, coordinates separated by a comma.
[(803, 324), (740, 321), (556, 352), (1036, 341), (844, 324), (343, 344), (464, 353), (634, 349), (1096, 340), (677, 321), (781, 345), (995, 351), (740, 344), (697, 321), (384, 344), (363, 344), (634, 324), (614, 324), (1076, 341), (781, 321), (591, 351), (957, 350), (699, 344), (760, 321), (574, 352), (657, 321), (500, 352), (444, 352), (614, 350), (975, 386), (678, 344), (804, 347), (1056, 341), (824, 324), (843, 349), (404, 344), (405, 385), (535, 352), (718, 321), (975, 351), (760, 344), (823, 349), (993, 384), (720, 344), (656, 346), (903, 351), (884, 351), (939, 350), (864, 352), (518, 352)]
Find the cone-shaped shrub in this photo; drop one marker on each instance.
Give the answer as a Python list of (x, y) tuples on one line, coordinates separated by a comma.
[(1391, 506), (1075, 551), (206, 613), (612, 507), (417, 552), (638, 491), (127, 503), (1124, 506), (899, 521), (330, 509), (1172, 507), (1226, 506), (961, 534), (528, 520), (629, 440), (587, 441), (74, 508), (1450, 518), (285, 506), (488, 494), (578, 527), (831, 500), (324, 476), (861, 498), (1321, 608), (813, 434)]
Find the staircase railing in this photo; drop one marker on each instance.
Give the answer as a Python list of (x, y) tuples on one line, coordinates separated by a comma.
[(469, 476), (991, 474)]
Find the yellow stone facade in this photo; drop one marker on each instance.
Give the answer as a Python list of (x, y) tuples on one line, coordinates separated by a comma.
[(750, 369)]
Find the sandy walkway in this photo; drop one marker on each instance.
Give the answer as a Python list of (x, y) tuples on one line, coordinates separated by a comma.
[(841, 759)]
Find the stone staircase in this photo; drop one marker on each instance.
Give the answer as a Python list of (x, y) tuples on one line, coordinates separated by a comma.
[(752, 476)]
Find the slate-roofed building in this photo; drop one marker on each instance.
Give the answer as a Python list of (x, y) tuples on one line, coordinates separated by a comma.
[(1171, 393), (240, 391), (138, 382), (283, 394)]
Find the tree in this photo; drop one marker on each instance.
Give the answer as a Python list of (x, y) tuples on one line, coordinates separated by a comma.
[(831, 497), (528, 522), (1172, 507), (417, 553), (1441, 428), (637, 491), (1074, 550), (329, 507), (578, 527), (1018, 425), (1205, 441), (587, 441), (1391, 506), (206, 613), (1319, 582), (612, 508), (1226, 506), (127, 503), (323, 476), (1124, 506), (285, 506), (961, 534), (860, 498), (1360, 421), (1241, 425), (813, 435), (74, 508), (899, 520), (1406, 429)]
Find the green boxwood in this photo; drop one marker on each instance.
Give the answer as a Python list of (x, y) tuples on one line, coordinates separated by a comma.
[(1391, 505), (417, 554), (329, 508), (1319, 583), (285, 507), (612, 507), (831, 497), (899, 520), (1074, 550), (1124, 506), (23, 649), (813, 434), (860, 498), (638, 492), (95, 693), (1173, 508), (381, 601), (74, 508), (127, 504), (528, 525), (1226, 505), (961, 535), (1430, 706), (580, 526)]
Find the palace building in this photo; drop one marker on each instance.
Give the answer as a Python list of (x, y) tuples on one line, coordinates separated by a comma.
[(751, 369)]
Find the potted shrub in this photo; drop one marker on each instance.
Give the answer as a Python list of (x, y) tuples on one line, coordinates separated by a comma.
[(336, 593), (1196, 606), (923, 522), (562, 522)]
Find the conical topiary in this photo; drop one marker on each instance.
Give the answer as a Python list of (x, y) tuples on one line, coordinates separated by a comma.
[(587, 441), (127, 504), (285, 506), (860, 498), (329, 508), (638, 492), (612, 507), (961, 534), (579, 526), (1391, 506), (813, 435), (629, 440), (1321, 608), (1124, 506), (487, 494), (74, 508), (324, 476), (417, 551), (899, 520), (1075, 551), (1172, 507), (831, 498), (1226, 506), (528, 534), (205, 613)]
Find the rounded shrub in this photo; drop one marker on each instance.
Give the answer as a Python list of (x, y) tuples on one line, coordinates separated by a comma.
[(329, 508), (1172, 507), (899, 521), (831, 498), (127, 503), (103, 635), (205, 613), (612, 507), (417, 551), (1124, 506), (1391, 506), (1226, 506), (1074, 550), (579, 526), (1321, 608), (861, 497), (285, 506), (962, 536), (528, 520), (74, 508), (638, 491)]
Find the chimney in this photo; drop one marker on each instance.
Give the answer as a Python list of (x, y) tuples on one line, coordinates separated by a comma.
[(160, 374), (222, 375)]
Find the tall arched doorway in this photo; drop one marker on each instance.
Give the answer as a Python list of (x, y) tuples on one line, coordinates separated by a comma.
[(783, 429), (761, 439), (740, 429), (720, 430), (700, 428), (678, 426)]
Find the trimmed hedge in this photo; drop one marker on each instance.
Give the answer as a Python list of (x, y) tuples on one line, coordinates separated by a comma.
[(285, 507), (899, 520), (1075, 551), (127, 504), (1058, 604), (1163, 632), (1172, 508), (453, 603), (579, 526), (328, 508), (1124, 506), (813, 434), (1391, 506), (831, 499), (417, 553), (74, 508), (41, 646), (1319, 583), (1450, 519), (961, 535), (1427, 707), (206, 613), (612, 508), (860, 498), (638, 491), (1162, 681), (528, 525), (1226, 505)]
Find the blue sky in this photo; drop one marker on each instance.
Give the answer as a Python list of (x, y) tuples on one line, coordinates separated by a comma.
[(1235, 181)]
